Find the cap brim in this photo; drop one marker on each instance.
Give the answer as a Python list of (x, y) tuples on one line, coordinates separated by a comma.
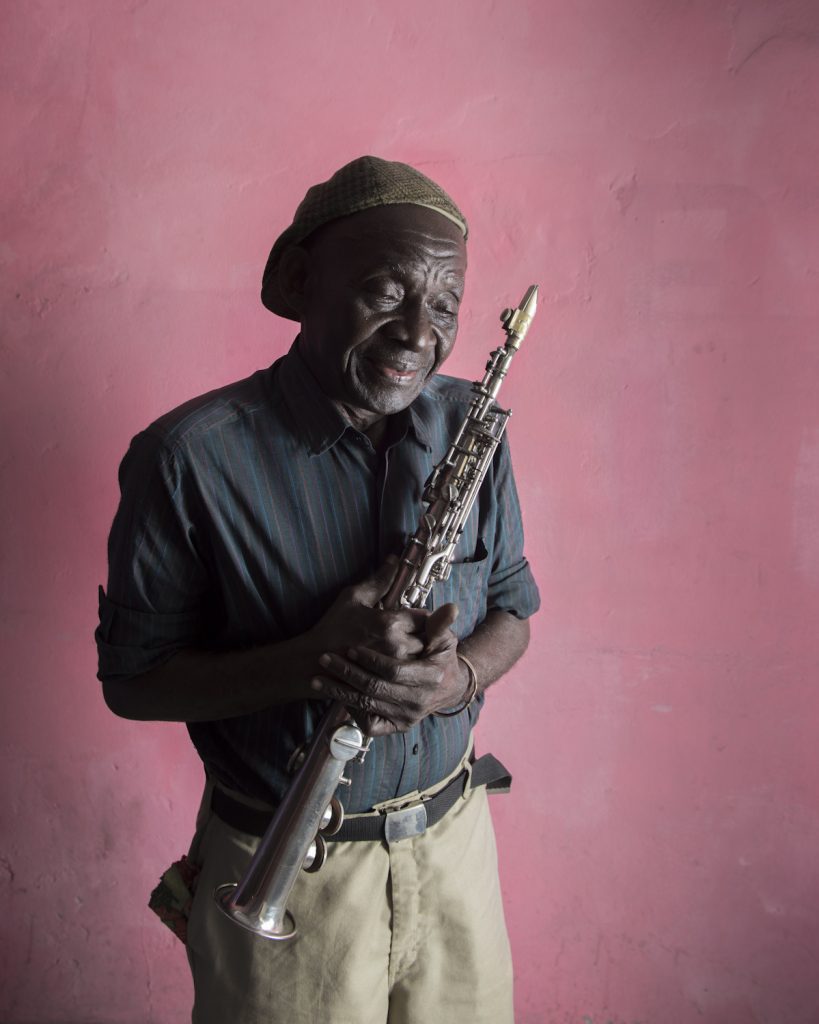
[(272, 297)]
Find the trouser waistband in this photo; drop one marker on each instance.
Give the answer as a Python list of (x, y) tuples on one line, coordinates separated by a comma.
[(412, 819)]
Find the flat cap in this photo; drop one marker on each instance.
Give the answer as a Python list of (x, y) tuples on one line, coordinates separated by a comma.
[(359, 185)]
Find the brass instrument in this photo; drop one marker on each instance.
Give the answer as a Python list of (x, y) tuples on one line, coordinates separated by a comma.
[(294, 840)]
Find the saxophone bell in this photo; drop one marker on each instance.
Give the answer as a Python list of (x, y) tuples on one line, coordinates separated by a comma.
[(293, 841)]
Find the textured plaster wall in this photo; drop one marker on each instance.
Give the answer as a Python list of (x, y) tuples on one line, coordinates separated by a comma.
[(653, 165)]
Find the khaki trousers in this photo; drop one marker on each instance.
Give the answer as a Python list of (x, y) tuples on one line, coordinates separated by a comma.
[(401, 934)]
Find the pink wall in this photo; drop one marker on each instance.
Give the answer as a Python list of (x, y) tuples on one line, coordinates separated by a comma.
[(654, 166)]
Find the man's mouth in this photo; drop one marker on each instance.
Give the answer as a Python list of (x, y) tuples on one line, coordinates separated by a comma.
[(395, 373)]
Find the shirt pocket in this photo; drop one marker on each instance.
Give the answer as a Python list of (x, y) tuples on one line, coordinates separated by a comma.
[(466, 587)]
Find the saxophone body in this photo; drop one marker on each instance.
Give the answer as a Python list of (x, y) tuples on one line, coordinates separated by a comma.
[(295, 839)]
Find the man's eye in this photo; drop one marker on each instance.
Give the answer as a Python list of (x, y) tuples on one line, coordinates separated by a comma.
[(446, 307), (382, 293)]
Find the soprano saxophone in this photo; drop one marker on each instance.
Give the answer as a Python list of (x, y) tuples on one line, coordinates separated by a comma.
[(295, 839)]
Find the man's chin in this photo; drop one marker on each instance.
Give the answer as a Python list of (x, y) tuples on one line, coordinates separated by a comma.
[(389, 405), (385, 398)]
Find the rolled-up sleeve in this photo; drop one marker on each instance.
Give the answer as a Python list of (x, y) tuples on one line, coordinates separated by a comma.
[(512, 587), (154, 602)]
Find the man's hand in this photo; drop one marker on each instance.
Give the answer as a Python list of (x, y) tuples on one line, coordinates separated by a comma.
[(355, 620), (387, 692)]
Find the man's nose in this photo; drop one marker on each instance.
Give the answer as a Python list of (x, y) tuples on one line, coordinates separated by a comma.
[(413, 327)]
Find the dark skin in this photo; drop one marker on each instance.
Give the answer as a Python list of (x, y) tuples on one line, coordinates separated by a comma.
[(377, 295)]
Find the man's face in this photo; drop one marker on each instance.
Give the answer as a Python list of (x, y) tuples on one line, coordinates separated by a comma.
[(380, 310)]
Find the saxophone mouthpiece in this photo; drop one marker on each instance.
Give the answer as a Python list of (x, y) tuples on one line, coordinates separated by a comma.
[(516, 321), (528, 304)]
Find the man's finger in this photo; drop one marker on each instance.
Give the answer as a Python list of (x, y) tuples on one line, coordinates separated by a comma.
[(367, 671), (351, 696), (370, 591), (439, 624)]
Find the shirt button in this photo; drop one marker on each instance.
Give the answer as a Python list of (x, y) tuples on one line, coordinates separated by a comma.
[(415, 749)]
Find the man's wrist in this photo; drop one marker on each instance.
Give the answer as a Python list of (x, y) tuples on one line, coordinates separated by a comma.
[(470, 692)]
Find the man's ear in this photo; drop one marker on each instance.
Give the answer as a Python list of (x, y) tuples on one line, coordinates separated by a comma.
[(294, 278)]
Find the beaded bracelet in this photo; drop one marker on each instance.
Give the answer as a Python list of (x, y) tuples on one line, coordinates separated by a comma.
[(471, 690)]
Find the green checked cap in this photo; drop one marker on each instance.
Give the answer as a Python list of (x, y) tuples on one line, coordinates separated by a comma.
[(366, 182)]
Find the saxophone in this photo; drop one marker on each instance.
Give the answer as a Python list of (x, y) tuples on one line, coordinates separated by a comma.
[(295, 838)]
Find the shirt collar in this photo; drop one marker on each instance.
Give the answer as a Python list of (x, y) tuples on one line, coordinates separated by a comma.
[(418, 424), (318, 421)]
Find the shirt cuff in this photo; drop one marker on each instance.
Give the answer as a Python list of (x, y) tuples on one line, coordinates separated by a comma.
[(514, 590), (130, 642)]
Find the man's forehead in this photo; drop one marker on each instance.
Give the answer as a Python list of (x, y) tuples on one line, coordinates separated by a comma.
[(390, 232)]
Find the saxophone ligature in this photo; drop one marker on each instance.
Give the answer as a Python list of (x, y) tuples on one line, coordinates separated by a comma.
[(295, 839)]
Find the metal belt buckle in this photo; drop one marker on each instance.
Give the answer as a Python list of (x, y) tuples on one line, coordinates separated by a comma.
[(411, 821)]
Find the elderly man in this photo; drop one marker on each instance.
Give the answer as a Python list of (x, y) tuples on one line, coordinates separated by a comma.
[(247, 562)]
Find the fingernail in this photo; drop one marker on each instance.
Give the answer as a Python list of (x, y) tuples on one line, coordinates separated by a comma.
[(325, 660), (315, 684)]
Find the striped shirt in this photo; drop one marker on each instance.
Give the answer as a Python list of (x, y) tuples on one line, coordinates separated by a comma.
[(245, 511)]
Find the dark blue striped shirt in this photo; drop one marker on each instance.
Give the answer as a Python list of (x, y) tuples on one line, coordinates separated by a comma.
[(246, 510)]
